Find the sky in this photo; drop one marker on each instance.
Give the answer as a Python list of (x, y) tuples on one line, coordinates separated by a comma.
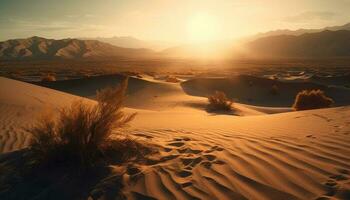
[(165, 20)]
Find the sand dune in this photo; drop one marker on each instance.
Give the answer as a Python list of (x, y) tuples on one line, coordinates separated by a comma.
[(20, 104), (147, 94), (294, 155), (299, 155)]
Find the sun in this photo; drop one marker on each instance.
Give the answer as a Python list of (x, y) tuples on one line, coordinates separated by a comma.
[(203, 27)]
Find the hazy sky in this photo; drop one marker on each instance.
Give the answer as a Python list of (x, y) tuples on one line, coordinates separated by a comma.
[(178, 20)]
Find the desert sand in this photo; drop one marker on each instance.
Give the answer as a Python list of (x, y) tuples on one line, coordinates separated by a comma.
[(248, 154)]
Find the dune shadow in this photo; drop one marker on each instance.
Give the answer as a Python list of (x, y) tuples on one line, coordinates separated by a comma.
[(196, 105), (205, 107), (222, 112), (20, 178)]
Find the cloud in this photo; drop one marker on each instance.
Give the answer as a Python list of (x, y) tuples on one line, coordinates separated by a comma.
[(311, 16)]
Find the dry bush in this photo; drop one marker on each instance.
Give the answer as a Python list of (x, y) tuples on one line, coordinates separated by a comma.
[(83, 133), (131, 73), (219, 101), (311, 99), (172, 79), (150, 73), (48, 78)]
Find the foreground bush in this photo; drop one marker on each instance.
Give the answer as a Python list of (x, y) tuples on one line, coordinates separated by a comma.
[(219, 101), (311, 99), (85, 133)]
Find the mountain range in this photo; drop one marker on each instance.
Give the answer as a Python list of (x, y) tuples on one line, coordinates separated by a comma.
[(42, 48), (300, 31), (308, 45)]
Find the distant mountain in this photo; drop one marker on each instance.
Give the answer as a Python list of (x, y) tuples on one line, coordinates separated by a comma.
[(322, 44), (301, 31), (42, 48), (131, 42)]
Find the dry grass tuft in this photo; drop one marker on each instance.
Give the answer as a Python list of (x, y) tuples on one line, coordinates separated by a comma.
[(311, 99), (219, 102), (83, 133)]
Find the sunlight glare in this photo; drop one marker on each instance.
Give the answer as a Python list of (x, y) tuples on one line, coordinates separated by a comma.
[(203, 27)]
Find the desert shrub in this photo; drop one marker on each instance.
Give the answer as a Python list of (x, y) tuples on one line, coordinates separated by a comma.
[(274, 90), (139, 76), (131, 73), (172, 79), (311, 99), (219, 101), (85, 133), (48, 77)]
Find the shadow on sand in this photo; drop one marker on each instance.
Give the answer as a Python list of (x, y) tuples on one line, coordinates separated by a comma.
[(205, 107), (21, 179)]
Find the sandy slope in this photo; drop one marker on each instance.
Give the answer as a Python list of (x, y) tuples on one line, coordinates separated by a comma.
[(20, 104), (295, 155), (301, 155)]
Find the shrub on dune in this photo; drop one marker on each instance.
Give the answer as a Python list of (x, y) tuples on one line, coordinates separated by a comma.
[(218, 101), (172, 79), (84, 133), (132, 73), (311, 99)]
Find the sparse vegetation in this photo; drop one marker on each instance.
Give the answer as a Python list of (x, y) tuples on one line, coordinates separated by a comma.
[(48, 78), (85, 133), (218, 101), (312, 99), (172, 79), (131, 73)]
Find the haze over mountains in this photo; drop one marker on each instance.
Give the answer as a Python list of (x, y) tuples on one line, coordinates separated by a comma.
[(303, 43)]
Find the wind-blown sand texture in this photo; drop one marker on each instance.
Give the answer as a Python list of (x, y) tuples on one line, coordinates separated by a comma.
[(293, 155)]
